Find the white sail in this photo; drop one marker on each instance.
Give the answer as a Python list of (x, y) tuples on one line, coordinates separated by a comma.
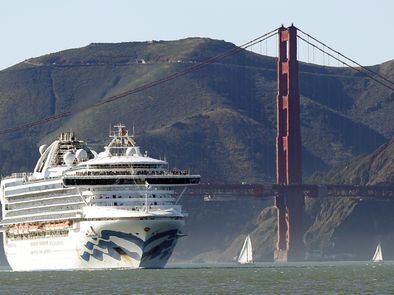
[(246, 254), (378, 256)]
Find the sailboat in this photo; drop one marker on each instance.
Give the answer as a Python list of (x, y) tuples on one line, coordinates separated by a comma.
[(378, 256), (246, 254)]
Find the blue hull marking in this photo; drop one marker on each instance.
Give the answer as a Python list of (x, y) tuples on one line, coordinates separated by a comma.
[(102, 243)]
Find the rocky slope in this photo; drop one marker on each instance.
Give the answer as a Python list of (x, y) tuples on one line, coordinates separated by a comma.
[(348, 228), (354, 226)]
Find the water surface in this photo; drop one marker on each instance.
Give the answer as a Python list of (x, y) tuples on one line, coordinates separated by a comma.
[(289, 278)]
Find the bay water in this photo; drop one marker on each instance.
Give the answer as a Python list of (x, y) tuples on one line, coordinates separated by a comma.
[(264, 278)]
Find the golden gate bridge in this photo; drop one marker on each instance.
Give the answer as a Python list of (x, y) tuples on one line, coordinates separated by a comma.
[(289, 191)]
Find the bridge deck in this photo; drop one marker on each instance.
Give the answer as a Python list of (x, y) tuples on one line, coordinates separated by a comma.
[(309, 190)]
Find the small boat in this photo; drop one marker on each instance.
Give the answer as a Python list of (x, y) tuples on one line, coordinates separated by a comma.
[(378, 256), (246, 254)]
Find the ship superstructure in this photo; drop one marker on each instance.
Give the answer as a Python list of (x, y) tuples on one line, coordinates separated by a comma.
[(80, 209)]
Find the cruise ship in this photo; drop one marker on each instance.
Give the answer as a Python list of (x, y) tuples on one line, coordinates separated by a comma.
[(83, 210)]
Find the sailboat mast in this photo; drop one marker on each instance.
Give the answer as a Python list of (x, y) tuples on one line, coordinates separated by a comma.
[(247, 249)]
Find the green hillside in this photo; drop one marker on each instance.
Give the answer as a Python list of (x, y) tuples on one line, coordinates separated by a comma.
[(223, 114)]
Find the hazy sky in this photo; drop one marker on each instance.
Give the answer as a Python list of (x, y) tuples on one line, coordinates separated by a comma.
[(362, 29)]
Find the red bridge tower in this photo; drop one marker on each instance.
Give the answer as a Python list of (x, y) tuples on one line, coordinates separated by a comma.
[(290, 203)]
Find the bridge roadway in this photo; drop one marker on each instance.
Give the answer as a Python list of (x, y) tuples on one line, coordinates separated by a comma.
[(213, 190)]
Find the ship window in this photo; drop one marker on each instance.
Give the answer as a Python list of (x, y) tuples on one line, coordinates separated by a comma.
[(114, 196), (115, 203)]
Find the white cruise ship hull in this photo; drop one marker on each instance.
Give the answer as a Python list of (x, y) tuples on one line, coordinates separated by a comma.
[(80, 209), (127, 243)]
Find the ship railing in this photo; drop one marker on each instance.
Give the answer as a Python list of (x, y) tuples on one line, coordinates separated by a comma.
[(30, 179), (140, 172), (49, 217), (25, 175), (158, 207)]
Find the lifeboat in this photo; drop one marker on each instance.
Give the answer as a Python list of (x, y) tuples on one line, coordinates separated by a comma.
[(25, 228), (33, 227)]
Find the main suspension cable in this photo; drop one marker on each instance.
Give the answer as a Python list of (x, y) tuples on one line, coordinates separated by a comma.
[(349, 59), (347, 64)]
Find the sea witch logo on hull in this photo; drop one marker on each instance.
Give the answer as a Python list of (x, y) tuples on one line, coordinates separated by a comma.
[(157, 248)]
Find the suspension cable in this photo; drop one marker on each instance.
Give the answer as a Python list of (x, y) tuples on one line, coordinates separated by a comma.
[(347, 64), (145, 86), (349, 59)]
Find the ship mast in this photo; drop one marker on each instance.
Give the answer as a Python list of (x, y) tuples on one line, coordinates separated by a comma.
[(120, 137)]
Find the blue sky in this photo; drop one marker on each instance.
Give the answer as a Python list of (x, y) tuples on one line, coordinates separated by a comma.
[(361, 29)]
